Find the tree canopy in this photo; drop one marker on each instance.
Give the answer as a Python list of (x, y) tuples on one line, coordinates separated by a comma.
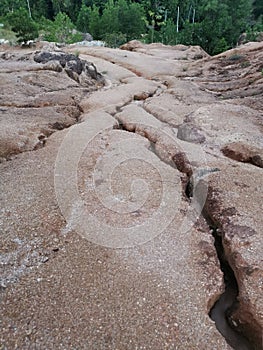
[(213, 24)]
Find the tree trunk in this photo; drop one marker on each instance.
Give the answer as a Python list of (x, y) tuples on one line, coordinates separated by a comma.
[(29, 9), (177, 21)]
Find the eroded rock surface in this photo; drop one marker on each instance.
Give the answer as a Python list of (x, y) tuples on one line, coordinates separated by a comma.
[(110, 218), (39, 98), (234, 205), (244, 153)]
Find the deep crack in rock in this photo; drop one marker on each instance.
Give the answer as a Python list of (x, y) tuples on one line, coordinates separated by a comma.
[(221, 312)]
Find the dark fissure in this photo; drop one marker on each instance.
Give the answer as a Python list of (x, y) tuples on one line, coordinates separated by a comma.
[(227, 303)]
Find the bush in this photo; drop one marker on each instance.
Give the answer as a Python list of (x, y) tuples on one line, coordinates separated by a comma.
[(114, 39), (24, 27), (235, 57), (168, 32), (62, 30)]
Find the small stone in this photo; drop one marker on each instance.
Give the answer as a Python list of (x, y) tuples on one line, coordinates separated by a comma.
[(190, 133), (44, 259)]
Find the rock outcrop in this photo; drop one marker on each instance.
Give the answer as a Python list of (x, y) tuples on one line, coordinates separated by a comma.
[(133, 221), (39, 98)]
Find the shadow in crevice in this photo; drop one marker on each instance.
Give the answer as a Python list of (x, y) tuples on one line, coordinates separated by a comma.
[(221, 311)]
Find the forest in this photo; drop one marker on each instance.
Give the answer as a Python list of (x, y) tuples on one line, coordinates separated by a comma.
[(215, 25)]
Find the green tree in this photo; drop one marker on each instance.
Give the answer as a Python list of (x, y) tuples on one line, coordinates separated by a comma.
[(95, 27), (9, 6), (61, 30), (168, 32), (213, 22), (24, 27), (42, 8), (240, 14), (123, 17), (83, 19), (114, 39), (257, 9), (109, 19), (70, 7), (131, 19)]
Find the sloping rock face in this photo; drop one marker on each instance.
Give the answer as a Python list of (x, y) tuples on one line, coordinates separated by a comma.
[(133, 221), (235, 75), (177, 52), (39, 98)]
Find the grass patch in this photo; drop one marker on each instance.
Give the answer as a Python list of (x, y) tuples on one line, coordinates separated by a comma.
[(8, 34), (77, 53), (245, 64), (235, 57)]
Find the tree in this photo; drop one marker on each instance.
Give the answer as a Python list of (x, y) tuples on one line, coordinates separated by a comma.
[(69, 7), (257, 9), (123, 17), (24, 27), (109, 19), (61, 30), (95, 28), (169, 33), (9, 6), (83, 19), (213, 18), (42, 8), (130, 16)]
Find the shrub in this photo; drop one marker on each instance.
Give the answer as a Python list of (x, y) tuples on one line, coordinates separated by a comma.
[(62, 30), (24, 27), (114, 39), (235, 57)]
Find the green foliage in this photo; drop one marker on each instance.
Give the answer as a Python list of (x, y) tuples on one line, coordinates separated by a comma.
[(130, 16), (257, 9), (221, 45), (41, 8), (95, 22), (254, 31), (240, 14), (109, 19), (123, 17), (83, 19), (114, 39), (8, 34), (235, 57), (9, 6), (38, 8), (215, 25), (169, 33), (24, 27), (62, 30), (245, 64)]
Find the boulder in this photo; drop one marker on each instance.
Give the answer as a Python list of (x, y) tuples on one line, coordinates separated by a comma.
[(87, 37), (72, 64), (131, 45)]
